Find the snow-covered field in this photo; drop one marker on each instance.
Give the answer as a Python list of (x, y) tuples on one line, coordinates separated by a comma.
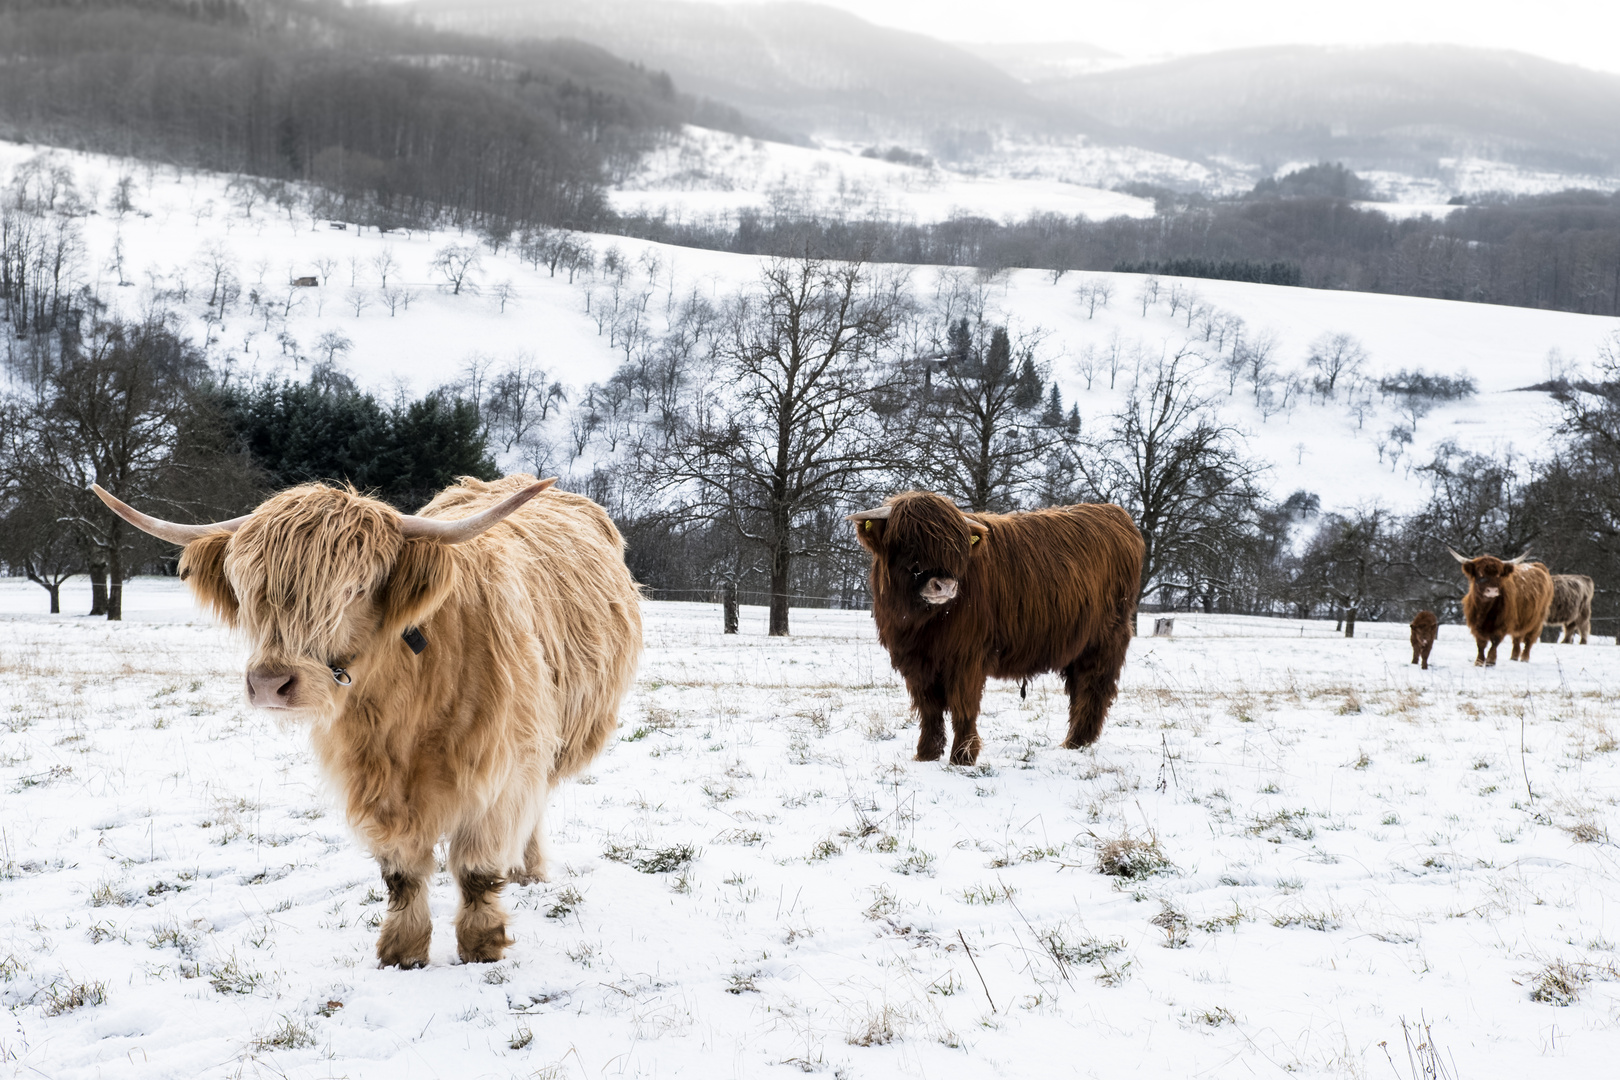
[(756, 880), (709, 175), (183, 222)]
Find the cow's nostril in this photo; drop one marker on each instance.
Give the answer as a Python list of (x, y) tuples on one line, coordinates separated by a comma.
[(271, 689)]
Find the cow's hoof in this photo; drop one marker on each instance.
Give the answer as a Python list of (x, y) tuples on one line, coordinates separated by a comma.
[(929, 753), (484, 945), (400, 958), (403, 947), (529, 876), (965, 755)]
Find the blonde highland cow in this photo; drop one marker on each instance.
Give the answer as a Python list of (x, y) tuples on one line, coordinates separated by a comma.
[(453, 666)]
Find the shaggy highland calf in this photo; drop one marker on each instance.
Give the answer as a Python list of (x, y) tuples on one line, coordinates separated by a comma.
[(1425, 628), (1506, 598), (453, 666), (959, 597), (1572, 605)]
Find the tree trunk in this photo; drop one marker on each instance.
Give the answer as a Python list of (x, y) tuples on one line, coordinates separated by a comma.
[(781, 563), (56, 598), (1350, 621), (98, 588), (115, 585), (731, 607)]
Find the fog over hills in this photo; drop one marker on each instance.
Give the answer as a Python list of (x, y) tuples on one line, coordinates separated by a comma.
[(816, 71), (806, 68), (1390, 107)]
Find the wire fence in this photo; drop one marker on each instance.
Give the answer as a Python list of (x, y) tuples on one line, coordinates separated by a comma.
[(854, 601)]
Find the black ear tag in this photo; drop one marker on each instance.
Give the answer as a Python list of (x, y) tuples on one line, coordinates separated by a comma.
[(413, 637)]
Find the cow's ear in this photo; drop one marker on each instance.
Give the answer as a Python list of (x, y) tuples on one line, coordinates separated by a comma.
[(870, 533), (1507, 568), (978, 533), (422, 579), (1468, 569), (202, 566)]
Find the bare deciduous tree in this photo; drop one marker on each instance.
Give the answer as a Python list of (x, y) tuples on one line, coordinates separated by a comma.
[(457, 263), (1334, 357), (1181, 473), (802, 361)]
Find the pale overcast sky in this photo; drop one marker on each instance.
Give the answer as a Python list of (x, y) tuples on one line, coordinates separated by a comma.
[(1585, 32)]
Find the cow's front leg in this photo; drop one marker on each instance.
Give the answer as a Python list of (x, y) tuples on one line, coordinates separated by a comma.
[(964, 700), (479, 858), (1490, 657), (1480, 660), (1524, 649), (481, 921), (928, 698), (407, 928)]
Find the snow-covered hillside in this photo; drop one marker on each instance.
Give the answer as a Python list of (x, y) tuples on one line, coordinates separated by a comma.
[(1329, 847), (712, 176), (415, 334)]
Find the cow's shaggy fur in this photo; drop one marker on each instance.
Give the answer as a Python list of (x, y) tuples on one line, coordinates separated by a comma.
[(1425, 628), (1572, 605), (1048, 590), (1505, 599), (533, 634)]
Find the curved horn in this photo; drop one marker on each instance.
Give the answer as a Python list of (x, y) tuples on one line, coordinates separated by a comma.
[(457, 532), (172, 531), (879, 513), (1459, 558), (1522, 556), (976, 527)]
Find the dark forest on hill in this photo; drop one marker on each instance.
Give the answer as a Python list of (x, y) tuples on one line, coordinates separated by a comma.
[(406, 122)]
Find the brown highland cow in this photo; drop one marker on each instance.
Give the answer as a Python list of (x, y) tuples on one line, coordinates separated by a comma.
[(1572, 605), (1506, 598), (959, 597), (1425, 628), (453, 667)]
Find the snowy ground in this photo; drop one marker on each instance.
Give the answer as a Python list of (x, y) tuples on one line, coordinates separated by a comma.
[(709, 175), (1349, 843), (184, 221)]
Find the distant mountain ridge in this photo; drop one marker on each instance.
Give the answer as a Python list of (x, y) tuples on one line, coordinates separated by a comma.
[(1387, 107), (803, 67)]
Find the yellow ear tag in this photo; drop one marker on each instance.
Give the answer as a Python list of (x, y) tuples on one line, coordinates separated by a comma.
[(868, 526), (975, 538)]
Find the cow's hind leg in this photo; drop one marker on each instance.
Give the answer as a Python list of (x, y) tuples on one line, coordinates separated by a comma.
[(536, 853), (1092, 680), (407, 929)]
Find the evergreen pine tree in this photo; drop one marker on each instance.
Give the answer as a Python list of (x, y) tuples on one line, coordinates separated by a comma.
[(1053, 416)]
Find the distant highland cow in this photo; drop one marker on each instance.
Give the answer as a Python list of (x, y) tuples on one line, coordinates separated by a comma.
[(1425, 628), (1506, 598), (1572, 605), (959, 597)]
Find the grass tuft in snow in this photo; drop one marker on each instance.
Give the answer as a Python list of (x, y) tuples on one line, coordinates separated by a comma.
[(879, 1027), (232, 977), (65, 997), (666, 860), (289, 1034), (1559, 983), (1129, 857)]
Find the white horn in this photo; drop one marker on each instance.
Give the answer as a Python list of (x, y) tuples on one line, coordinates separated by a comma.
[(1523, 556), (1459, 558), (880, 513), (457, 532), (172, 531)]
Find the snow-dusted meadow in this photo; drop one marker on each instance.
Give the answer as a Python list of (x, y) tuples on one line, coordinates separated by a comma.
[(755, 879), (184, 223)]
